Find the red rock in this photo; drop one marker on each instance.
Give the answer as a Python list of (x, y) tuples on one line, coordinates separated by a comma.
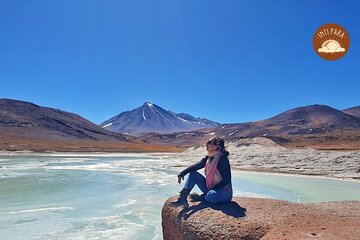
[(262, 218)]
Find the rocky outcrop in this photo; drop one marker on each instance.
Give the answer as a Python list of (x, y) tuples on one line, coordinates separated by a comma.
[(262, 218)]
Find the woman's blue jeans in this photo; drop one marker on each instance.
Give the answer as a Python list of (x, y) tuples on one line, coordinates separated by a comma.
[(213, 195)]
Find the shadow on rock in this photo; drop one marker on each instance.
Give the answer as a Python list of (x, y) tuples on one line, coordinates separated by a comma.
[(231, 208)]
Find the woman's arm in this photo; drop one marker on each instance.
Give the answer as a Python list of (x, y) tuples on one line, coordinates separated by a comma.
[(194, 167), (225, 171)]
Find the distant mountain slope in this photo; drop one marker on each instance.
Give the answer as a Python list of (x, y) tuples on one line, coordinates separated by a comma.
[(28, 119), (152, 118), (27, 126), (318, 123), (312, 119), (355, 111), (309, 119)]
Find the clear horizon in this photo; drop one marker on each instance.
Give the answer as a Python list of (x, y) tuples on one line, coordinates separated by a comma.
[(234, 62), (184, 112)]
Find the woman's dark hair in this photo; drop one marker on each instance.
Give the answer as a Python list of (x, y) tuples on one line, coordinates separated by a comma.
[(220, 143)]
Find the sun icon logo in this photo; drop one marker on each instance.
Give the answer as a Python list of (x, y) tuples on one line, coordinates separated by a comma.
[(331, 41), (331, 46)]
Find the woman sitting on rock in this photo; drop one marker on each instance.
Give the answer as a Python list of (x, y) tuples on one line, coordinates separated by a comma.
[(216, 187)]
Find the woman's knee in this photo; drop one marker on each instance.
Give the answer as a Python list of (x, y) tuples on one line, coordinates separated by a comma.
[(194, 174), (215, 197), (211, 196)]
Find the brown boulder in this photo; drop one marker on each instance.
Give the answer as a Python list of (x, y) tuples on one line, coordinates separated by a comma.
[(262, 218)]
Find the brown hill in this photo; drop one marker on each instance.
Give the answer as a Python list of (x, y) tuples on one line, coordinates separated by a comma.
[(27, 126), (354, 111), (19, 118), (318, 126)]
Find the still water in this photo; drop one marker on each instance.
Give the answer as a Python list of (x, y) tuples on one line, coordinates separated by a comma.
[(120, 196)]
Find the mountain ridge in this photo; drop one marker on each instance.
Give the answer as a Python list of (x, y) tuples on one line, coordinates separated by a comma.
[(317, 126), (28, 126), (354, 111), (151, 117), (311, 125)]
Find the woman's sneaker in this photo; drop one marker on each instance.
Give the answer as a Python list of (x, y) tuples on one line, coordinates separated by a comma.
[(195, 197)]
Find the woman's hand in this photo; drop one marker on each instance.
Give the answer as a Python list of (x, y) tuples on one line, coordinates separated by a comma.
[(180, 176)]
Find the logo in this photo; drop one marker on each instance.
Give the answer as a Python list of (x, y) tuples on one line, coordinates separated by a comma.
[(331, 41)]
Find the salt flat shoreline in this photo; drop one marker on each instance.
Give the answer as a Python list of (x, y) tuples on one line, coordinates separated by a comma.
[(179, 158), (263, 155), (291, 174), (106, 154)]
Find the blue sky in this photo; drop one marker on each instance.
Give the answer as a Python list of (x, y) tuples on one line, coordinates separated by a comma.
[(229, 61)]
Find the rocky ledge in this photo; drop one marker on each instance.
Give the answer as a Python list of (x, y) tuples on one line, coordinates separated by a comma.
[(262, 218)]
